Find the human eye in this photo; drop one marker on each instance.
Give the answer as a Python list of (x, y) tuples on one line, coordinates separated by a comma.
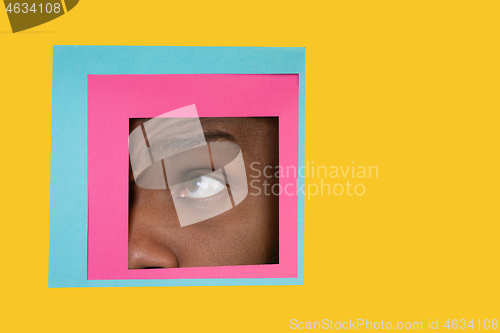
[(201, 187)]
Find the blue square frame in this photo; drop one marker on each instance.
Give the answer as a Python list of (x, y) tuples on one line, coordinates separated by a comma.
[(68, 174)]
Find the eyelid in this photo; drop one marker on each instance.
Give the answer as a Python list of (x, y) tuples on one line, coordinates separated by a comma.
[(193, 174)]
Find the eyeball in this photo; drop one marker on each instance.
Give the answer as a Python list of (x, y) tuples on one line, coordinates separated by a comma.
[(201, 187)]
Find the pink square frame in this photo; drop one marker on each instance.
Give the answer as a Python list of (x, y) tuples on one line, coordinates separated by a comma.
[(113, 99)]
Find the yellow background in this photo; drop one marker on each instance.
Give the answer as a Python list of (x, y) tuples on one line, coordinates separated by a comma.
[(411, 87)]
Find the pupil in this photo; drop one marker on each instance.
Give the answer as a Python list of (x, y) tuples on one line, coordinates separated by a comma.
[(194, 184)]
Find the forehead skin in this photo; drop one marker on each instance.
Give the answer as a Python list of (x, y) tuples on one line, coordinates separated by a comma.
[(244, 235)]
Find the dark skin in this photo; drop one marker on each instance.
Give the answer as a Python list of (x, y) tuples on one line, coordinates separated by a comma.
[(244, 235)]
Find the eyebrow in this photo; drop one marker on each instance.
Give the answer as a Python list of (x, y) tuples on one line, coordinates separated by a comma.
[(176, 145), (173, 145)]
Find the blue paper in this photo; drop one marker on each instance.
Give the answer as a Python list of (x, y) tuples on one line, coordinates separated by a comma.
[(68, 182)]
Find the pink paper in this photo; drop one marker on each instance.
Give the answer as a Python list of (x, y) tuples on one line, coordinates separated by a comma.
[(113, 99)]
